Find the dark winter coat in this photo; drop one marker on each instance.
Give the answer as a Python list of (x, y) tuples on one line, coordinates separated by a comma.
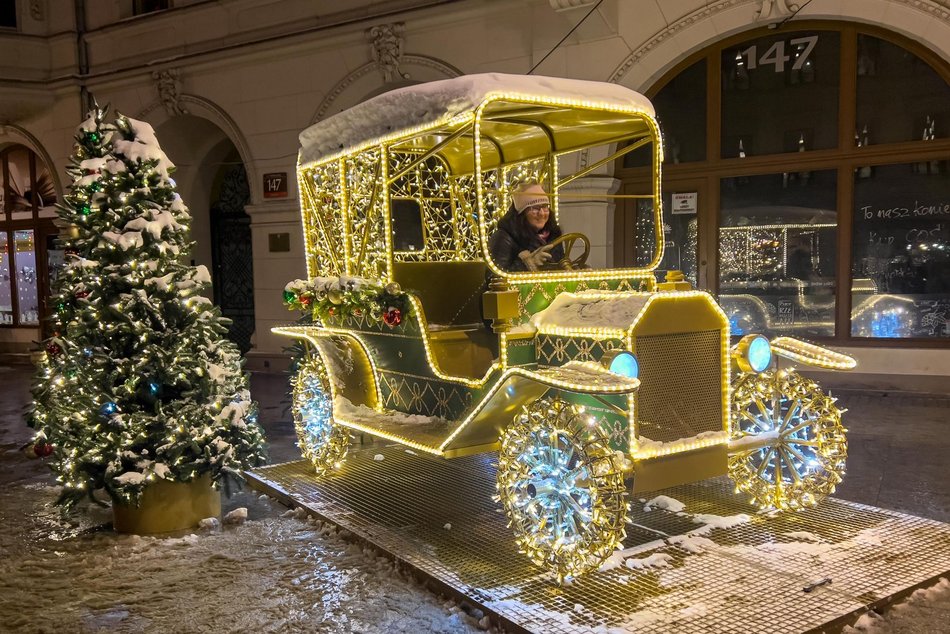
[(513, 235)]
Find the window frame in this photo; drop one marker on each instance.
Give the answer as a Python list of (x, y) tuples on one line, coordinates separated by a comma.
[(42, 228), (845, 158)]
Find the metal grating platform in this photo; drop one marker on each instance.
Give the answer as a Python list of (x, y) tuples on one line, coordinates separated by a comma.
[(748, 577)]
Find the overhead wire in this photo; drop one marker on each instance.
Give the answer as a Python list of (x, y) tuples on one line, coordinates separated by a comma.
[(594, 8)]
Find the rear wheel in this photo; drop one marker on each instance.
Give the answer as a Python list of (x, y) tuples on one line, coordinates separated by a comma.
[(322, 442), (806, 452), (562, 487)]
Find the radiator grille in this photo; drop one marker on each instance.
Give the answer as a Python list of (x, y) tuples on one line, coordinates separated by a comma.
[(680, 385)]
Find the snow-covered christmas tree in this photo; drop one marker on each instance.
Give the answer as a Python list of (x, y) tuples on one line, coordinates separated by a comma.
[(138, 382)]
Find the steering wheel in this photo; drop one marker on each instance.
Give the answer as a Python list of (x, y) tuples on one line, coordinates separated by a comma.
[(566, 263)]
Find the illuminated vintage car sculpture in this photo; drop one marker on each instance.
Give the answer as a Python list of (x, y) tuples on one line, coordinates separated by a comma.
[(592, 383)]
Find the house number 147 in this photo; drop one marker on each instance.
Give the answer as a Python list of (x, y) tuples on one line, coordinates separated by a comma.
[(775, 56)]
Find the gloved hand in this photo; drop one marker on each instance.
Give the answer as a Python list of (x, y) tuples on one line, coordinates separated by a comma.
[(536, 259)]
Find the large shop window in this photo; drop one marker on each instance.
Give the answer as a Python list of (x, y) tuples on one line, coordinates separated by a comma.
[(827, 198), (28, 200), (777, 237), (901, 252), (779, 94)]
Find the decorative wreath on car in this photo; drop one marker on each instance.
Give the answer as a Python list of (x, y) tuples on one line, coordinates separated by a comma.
[(344, 296)]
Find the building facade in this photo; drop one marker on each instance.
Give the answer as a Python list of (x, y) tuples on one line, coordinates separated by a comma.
[(807, 145)]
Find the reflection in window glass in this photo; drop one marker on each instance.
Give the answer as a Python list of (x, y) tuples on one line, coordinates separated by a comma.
[(901, 251), (55, 259), (6, 294), (777, 93), (777, 253), (25, 262), (886, 70), (44, 194), (644, 235), (680, 233), (681, 110), (19, 189)]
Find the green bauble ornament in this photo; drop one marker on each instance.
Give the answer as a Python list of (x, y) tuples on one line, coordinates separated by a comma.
[(93, 137), (289, 296), (86, 210)]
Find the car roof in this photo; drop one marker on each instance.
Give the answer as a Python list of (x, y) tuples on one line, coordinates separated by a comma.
[(428, 112)]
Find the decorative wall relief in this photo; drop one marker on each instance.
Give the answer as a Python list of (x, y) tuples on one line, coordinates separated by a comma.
[(387, 43), (169, 91), (775, 9)]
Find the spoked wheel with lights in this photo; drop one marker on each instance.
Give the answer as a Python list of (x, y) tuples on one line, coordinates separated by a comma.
[(322, 442), (804, 451), (562, 487)]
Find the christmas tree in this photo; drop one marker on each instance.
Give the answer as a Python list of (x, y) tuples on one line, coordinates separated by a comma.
[(138, 381)]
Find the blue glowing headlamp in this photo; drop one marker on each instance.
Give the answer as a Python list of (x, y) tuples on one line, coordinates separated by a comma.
[(622, 362), (753, 353)]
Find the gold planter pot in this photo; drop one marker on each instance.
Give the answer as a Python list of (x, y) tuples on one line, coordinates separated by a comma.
[(168, 506)]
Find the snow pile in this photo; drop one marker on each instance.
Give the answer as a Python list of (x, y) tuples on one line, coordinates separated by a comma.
[(589, 374), (363, 415), (438, 102), (926, 608), (237, 516), (591, 309), (664, 502), (711, 522), (804, 536), (209, 524), (645, 445), (693, 543), (656, 560), (144, 148)]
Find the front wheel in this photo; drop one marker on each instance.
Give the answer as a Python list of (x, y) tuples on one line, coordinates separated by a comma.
[(562, 488), (804, 458), (322, 442)]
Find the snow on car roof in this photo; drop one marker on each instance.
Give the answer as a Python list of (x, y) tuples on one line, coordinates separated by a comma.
[(438, 102)]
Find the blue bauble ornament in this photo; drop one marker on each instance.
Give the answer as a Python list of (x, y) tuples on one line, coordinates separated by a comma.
[(108, 409), (154, 388)]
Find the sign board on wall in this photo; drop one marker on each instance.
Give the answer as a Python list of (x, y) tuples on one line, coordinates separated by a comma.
[(275, 185), (685, 202)]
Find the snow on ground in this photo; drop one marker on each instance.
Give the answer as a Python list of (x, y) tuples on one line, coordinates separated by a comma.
[(664, 502), (279, 571), (257, 571), (926, 610), (271, 573)]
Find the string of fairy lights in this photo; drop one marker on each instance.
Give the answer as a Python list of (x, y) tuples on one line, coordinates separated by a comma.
[(137, 382), (561, 485)]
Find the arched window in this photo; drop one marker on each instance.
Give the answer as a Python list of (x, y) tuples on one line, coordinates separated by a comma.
[(806, 182), (27, 251)]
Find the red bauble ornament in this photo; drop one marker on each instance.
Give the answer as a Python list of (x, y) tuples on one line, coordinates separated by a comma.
[(305, 300), (82, 294), (54, 350), (392, 317), (42, 449)]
